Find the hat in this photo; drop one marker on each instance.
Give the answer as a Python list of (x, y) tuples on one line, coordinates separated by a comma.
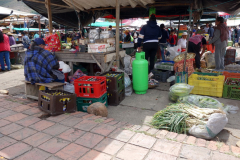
[(184, 34), (10, 34), (194, 30), (39, 41)]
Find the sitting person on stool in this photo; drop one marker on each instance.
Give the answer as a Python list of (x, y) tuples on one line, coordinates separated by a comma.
[(40, 65)]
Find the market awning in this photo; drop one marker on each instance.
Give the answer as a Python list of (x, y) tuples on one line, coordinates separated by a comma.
[(103, 24), (30, 29)]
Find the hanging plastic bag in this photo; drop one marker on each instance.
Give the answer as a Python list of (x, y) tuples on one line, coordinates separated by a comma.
[(65, 68), (215, 123), (128, 90), (69, 87), (179, 90), (174, 51)]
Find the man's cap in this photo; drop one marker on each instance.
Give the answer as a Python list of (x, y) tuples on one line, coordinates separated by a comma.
[(39, 41), (184, 34)]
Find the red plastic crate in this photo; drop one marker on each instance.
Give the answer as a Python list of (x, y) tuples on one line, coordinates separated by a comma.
[(90, 89), (231, 75)]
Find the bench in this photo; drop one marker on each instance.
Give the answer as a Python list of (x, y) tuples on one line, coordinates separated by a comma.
[(32, 90)]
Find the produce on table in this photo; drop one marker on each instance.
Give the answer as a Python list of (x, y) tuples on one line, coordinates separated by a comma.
[(201, 101), (179, 90), (233, 82), (180, 117)]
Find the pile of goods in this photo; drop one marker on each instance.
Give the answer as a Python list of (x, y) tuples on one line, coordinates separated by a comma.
[(233, 81), (165, 65), (233, 67), (179, 90), (66, 45), (152, 83)]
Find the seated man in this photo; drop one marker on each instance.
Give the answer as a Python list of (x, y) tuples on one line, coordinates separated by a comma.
[(40, 65)]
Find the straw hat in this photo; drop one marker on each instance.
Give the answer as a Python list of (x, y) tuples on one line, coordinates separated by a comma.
[(10, 34)]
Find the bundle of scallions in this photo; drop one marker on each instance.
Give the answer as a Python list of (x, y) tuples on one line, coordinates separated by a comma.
[(180, 117)]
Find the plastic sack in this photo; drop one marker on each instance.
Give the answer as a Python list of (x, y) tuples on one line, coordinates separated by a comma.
[(65, 68), (53, 42), (128, 90), (209, 57), (76, 75), (179, 90), (128, 64), (127, 80), (230, 109), (174, 51), (215, 123), (201, 101), (69, 87)]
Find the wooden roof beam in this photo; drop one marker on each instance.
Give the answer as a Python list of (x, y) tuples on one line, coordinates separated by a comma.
[(52, 4)]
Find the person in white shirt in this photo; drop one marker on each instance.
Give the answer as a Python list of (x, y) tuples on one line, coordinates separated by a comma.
[(206, 28), (183, 41)]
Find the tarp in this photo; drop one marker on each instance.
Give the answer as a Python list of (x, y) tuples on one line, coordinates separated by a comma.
[(104, 24), (26, 29)]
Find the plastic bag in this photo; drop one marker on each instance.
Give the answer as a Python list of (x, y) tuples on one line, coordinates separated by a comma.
[(127, 63), (65, 68), (230, 109), (69, 87), (53, 42), (179, 90), (209, 57), (127, 81), (201, 101), (76, 75), (174, 51), (215, 123), (128, 90)]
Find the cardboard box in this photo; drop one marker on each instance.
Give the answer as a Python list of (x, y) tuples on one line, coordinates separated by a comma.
[(83, 41), (99, 48)]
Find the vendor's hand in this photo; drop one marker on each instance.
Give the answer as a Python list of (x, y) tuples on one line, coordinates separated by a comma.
[(139, 49)]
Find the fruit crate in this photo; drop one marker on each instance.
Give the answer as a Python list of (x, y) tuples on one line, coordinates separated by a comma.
[(115, 80), (90, 86), (231, 75), (231, 91), (116, 97), (84, 103), (165, 65), (161, 75), (207, 85), (56, 102)]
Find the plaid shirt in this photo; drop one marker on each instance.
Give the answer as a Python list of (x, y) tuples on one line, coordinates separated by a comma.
[(38, 65)]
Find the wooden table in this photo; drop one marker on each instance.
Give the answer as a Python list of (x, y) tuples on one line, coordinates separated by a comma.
[(103, 60)]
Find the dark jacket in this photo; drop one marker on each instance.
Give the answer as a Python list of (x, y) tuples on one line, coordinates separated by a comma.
[(150, 31), (210, 32), (165, 36)]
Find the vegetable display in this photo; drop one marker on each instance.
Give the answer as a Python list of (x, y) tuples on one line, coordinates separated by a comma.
[(179, 90)]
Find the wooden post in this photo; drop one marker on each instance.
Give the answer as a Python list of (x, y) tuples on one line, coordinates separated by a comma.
[(178, 27), (121, 30), (39, 26), (48, 6), (117, 31)]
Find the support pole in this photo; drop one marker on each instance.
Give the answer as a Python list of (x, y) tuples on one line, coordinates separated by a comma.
[(39, 26), (117, 31), (178, 27), (48, 6), (121, 30)]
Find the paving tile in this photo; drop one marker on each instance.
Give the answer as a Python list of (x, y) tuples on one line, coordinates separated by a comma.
[(181, 137), (6, 141), (71, 134), (16, 117), (235, 150), (10, 128), (11, 105), (32, 111), (54, 158), (58, 118), (35, 104), (71, 121), (168, 147), (201, 142), (34, 154), (89, 140), (2, 109), (225, 148), (120, 124), (154, 155), (87, 116), (191, 140), (72, 151), (53, 145), (135, 127), (171, 135), (28, 121), (212, 145), (144, 128), (22, 134), (161, 133), (7, 113), (95, 155), (4, 103), (15, 150), (37, 139), (220, 156), (109, 146), (108, 120), (41, 125), (143, 140), (122, 135), (131, 152), (21, 108), (94, 117), (86, 125), (112, 123), (103, 129), (79, 114), (4, 122), (55, 129), (152, 131), (194, 152)]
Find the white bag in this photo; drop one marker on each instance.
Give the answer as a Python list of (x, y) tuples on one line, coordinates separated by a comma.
[(215, 123), (174, 51), (127, 64), (68, 87), (209, 57), (65, 68)]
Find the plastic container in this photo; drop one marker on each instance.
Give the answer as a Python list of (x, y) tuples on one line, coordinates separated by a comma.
[(116, 82), (90, 86), (181, 77), (165, 65), (140, 73), (116, 97), (56, 104), (231, 75), (230, 43), (161, 75), (84, 103), (230, 56), (207, 85), (231, 91)]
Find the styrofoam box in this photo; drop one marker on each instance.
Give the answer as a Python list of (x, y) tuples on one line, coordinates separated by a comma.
[(99, 48)]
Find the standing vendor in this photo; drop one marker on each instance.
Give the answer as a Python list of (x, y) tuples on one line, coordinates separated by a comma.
[(40, 65), (183, 41), (195, 44), (128, 37), (220, 40), (150, 35)]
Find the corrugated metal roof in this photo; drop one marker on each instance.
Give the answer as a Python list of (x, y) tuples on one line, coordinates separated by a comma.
[(90, 4)]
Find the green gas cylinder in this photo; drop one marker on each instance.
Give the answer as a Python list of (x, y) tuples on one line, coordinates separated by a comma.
[(140, 73)]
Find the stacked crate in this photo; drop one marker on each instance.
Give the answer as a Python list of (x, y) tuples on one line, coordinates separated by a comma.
[(89, 90), (115, 87)]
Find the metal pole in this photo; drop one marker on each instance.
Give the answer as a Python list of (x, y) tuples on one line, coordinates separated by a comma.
[(178, 27), (39, 26), (117, 31)]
